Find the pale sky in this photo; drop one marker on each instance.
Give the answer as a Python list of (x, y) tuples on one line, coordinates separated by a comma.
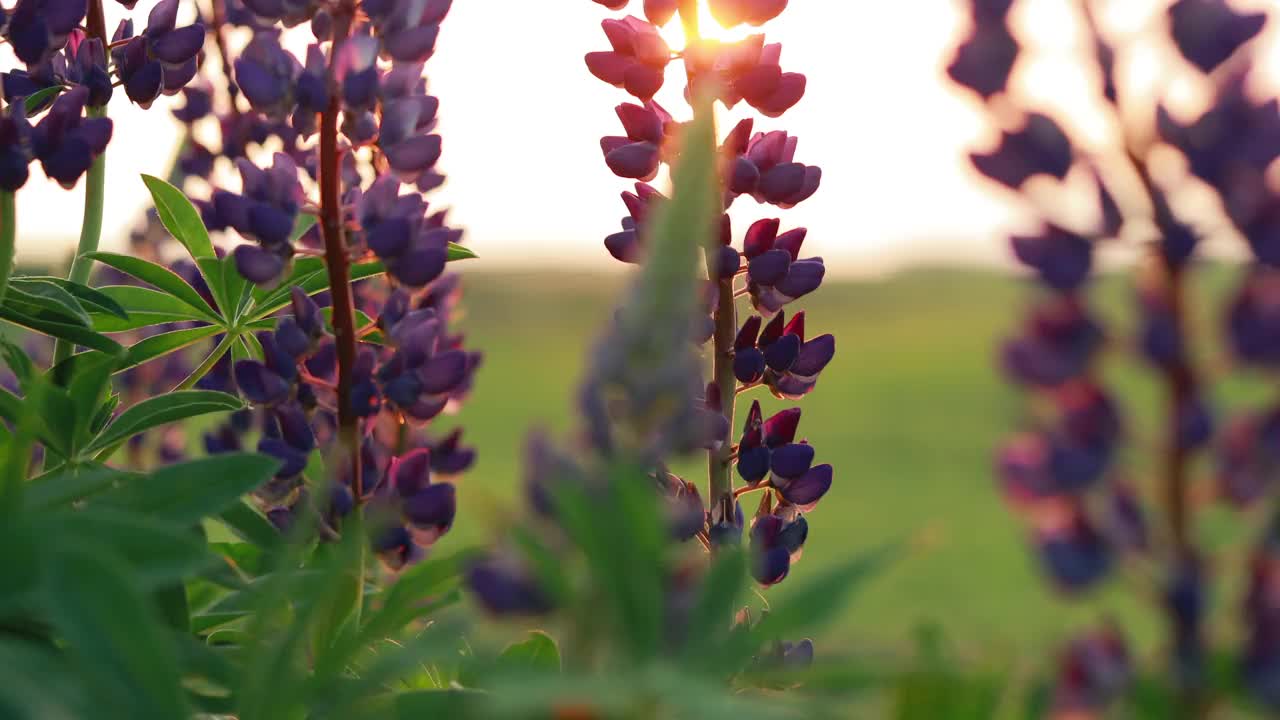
[(521, 119)]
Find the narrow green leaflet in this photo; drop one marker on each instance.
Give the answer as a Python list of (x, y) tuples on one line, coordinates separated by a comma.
[(50, 297), (92, 300), (10, 406), (157, 552), (820, 597), (163, 409), (312, 283), (185, 493), (72, 484), (459, 252), (180, 217), (250, 524), (88, 387), (158, 276), (36, 100), (64, 331), (303, 223), (143, 307), (165, 343), (122, 652)]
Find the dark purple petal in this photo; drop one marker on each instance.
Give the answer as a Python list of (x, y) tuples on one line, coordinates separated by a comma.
[(260, 385), (792, 460), (809, 489)]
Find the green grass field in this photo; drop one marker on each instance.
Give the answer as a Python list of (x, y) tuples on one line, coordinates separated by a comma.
[(909, 413)]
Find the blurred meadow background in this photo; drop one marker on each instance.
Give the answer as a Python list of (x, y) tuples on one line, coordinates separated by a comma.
[(920, 288)]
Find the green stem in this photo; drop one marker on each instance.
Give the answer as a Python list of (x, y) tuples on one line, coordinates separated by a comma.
[(719, 462), (95, 183), (221, 349), (8, 232)]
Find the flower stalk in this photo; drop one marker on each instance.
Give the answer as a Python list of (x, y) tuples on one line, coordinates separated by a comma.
[(719, 462), (95, 183), (337, 259)]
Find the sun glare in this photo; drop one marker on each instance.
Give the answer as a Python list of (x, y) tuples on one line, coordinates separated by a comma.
[(673, 31)]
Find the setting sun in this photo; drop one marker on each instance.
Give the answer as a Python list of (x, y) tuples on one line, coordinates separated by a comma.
[(673, 31)]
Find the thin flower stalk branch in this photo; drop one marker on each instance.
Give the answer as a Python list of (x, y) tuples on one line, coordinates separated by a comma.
[(8, 238)]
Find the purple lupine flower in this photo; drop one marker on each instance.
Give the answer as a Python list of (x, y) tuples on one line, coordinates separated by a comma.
[(15, 147), (637, 154), (38, 28), (1058, 342), (985, 59), (65, 142), (265, 210), (1208, 32), (777, 540), (1039, 147), (160, 60), (505, 587), (765, 167), (638, 60), (87, 65), (1073, 552), (266, 74), (1092, 670)]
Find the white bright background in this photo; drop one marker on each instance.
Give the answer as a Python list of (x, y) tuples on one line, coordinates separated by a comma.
[(521, 119)]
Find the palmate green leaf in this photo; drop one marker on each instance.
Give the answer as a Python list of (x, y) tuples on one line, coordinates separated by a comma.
[(66, 485), (160, 277), (33, 102), (77, 334), (185, 493), (537, 654), (309, 274), (102, 615), (230, 290), (163, 344), (157, 552), (92, 300), (144, 307), (38, 684), (32, 296), (180, 217), (250, 525), (88, 387), (402, 602), (163, 409)]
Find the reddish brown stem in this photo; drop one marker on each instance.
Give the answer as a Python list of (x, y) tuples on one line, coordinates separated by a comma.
[(337, 259), (1179, 378)]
